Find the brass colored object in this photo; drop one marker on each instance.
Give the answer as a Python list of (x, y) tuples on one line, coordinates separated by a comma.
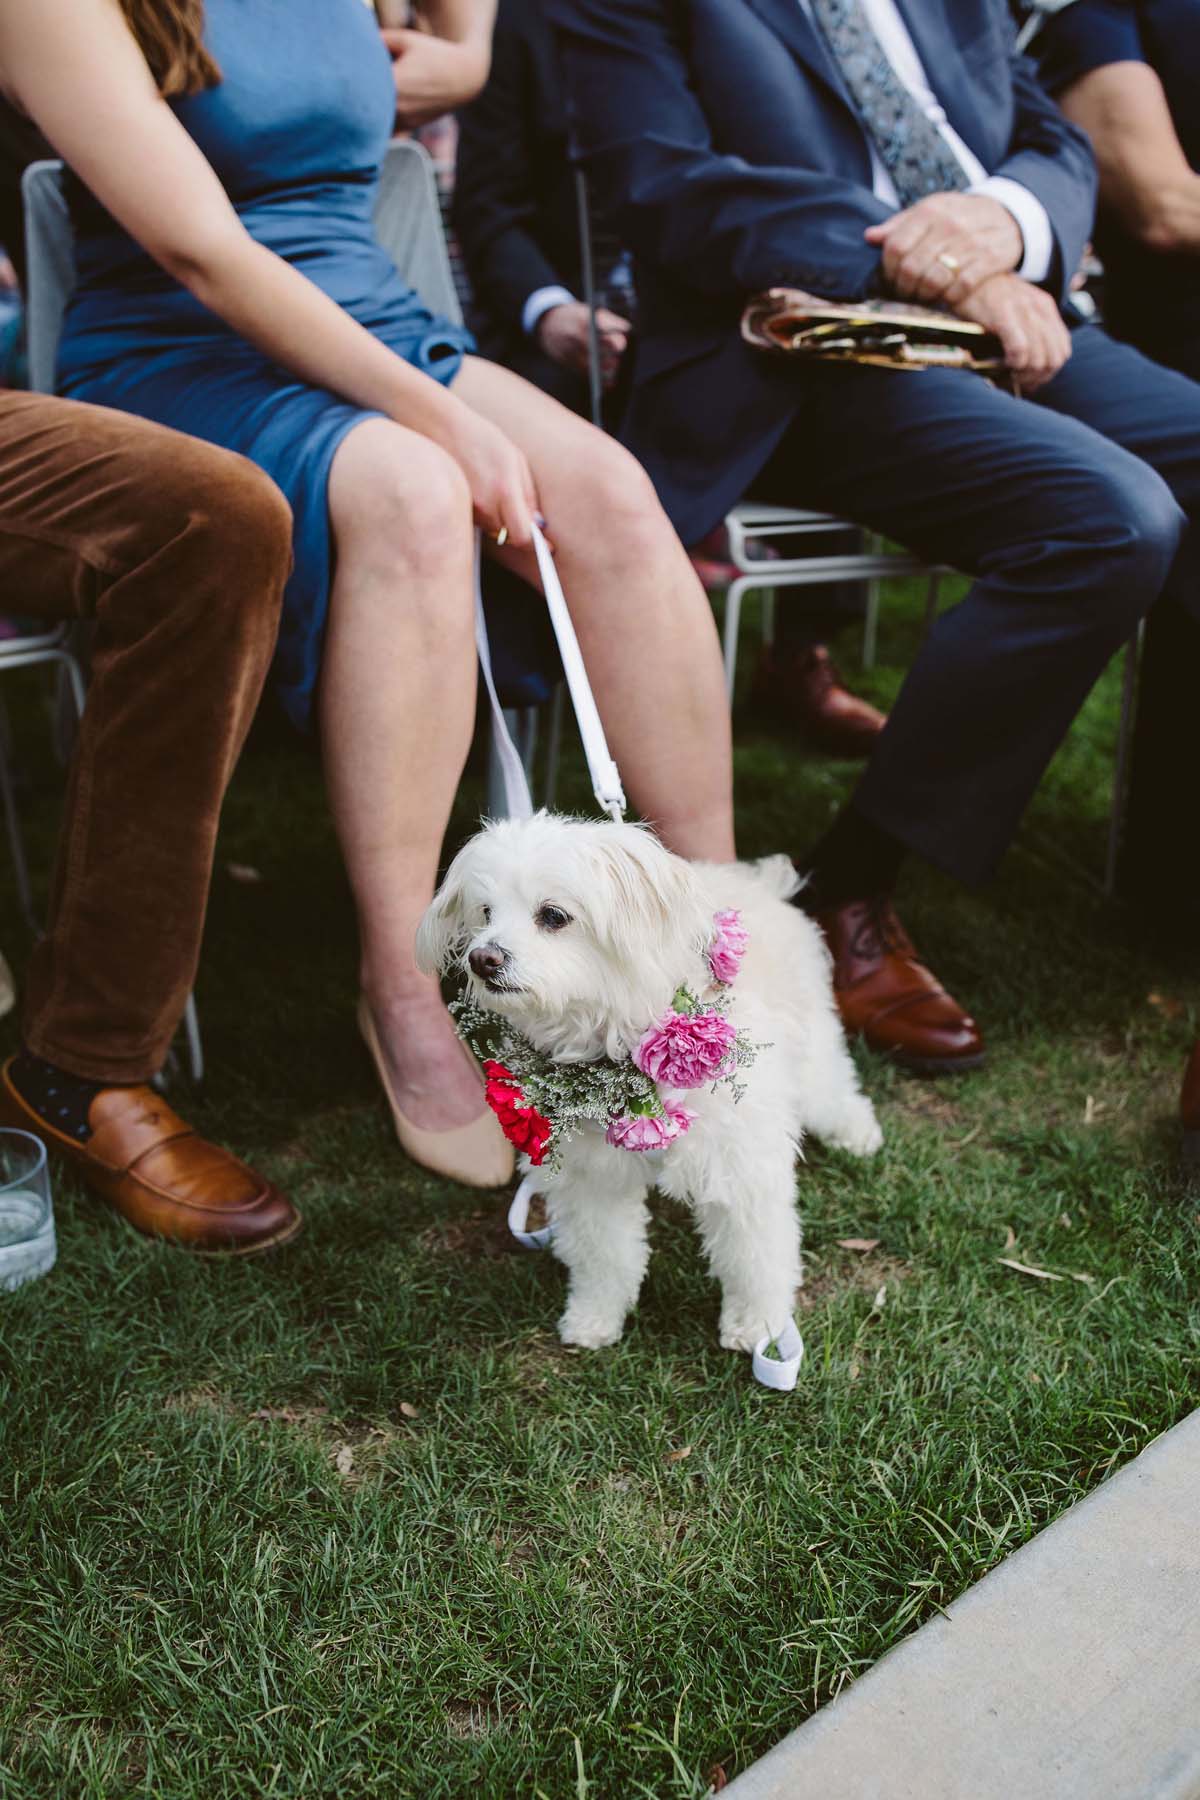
[(884, 333)]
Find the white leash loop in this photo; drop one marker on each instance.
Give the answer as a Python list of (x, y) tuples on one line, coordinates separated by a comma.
[(782, 1370), (518, 1217), (606, 777)]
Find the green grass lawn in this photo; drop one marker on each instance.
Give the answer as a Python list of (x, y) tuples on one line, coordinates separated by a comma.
[(352, 1522)]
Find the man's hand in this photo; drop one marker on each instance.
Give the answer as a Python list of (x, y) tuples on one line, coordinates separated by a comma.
[(562, 333), (432, 75), (1027, 322), (939, 250)]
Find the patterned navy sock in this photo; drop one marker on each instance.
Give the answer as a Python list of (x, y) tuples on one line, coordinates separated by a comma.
[(62, 1100)]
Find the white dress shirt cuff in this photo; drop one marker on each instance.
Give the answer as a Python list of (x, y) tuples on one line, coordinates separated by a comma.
[(1032, 221), (539, 302)]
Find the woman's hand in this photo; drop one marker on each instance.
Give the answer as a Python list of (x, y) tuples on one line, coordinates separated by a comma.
[(501, 483), (432, 75)]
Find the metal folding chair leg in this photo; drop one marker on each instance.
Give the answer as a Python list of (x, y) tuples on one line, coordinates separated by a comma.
[(769, 602), (554, 744), (870, 642), (12, 822), (733, 619), (195, 1046), (1116, 818)]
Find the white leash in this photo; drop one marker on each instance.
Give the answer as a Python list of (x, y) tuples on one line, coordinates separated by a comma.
[(606, 777), (781, 1371)]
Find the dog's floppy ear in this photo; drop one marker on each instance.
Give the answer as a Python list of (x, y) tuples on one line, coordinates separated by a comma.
[(648, 904), (442, 933)]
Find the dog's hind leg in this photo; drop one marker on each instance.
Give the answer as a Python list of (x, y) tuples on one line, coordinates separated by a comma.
[(747, 1217), (833, 1105), (598, 1207)]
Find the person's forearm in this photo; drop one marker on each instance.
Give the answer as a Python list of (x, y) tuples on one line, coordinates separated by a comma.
[(1168, 218), (1145, 177), (459, 21), (432, 75), (290, 320)]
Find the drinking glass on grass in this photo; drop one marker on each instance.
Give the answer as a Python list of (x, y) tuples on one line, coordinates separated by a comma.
[(27, 1244)]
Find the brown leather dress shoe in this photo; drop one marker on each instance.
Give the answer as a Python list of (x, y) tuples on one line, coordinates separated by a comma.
[(1189, 1108), (160, 1176), (807, 692), (889, 998)]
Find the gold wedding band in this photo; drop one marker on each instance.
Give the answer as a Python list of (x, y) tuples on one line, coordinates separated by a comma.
[(499, 538), (949, 262)]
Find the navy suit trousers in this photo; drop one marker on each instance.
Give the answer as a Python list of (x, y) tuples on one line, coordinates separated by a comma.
[(1070, 509)]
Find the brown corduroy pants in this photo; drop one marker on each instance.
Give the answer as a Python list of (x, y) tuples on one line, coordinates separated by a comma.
[(179, 552)]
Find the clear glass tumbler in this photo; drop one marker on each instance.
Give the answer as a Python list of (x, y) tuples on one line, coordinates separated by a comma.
[(27, 1243)]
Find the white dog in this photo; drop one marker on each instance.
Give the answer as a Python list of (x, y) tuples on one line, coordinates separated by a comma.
[(580, 933)]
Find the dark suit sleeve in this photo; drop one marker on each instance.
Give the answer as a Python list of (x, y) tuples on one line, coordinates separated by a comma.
[(714, 221), (494, 188), (1054, 160), (1085, 36)]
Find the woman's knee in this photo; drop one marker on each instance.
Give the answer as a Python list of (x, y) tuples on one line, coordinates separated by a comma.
[(399, 498), (611, 486)]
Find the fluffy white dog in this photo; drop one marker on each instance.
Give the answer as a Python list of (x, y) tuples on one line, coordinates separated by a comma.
[(580, 933)]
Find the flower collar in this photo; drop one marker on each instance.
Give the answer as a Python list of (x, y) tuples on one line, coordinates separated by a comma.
[(541, 1103)]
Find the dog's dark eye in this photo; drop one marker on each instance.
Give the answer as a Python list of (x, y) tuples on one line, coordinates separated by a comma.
[(487, 915), (552, 918)]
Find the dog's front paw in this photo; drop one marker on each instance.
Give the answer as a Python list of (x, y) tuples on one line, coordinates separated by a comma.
[(742, 1330), (589, 1330), (860, 1132)]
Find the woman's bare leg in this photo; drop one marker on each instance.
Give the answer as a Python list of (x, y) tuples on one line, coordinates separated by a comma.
[(397, 706), (644, 624)]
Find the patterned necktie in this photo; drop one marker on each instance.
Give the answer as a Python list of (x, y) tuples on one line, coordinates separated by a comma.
[(914, 152)]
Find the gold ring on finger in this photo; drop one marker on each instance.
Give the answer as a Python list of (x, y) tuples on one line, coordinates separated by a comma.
[(949, 262), (499, 538)]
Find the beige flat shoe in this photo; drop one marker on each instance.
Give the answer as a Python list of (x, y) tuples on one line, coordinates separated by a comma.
[(477, 1155)]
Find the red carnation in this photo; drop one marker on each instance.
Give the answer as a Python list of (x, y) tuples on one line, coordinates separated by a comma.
[(522, 1125)]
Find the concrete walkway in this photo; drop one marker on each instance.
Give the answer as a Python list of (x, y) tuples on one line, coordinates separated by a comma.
[(1071, 1672)]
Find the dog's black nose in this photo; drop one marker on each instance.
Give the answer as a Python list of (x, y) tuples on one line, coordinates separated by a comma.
[(487, 961)]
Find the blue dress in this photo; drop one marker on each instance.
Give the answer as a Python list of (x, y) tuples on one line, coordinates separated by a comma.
[(296, 130)]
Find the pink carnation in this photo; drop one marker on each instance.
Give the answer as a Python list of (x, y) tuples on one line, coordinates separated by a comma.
[(687, 1050), (640, 1131), (728, 947)]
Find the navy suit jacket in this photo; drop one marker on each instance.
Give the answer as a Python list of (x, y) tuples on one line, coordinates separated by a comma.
[(723, 143)]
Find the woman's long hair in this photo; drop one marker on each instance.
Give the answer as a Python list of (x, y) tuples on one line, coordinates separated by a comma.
[(170, 35)]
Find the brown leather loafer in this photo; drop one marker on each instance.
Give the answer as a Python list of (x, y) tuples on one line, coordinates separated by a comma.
[(889, 998), (167, 1182), (1189, 1108), (806, 691)]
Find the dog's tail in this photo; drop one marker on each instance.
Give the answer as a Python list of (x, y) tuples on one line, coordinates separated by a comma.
[(778, 875)]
